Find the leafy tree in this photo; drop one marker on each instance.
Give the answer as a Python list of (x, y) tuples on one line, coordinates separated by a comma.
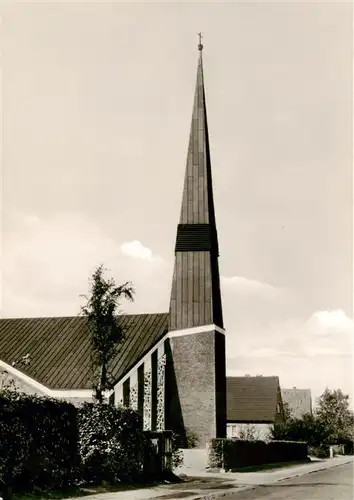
[(307, 429), (335, 415), (332, 422), (287, 413), (102, 311)]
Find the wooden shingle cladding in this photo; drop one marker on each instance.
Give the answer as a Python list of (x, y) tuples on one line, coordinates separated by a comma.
[(60, 350), (195, 294), (252, 399)]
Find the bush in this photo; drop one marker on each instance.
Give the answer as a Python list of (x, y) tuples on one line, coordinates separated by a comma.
[(177, 453), (236, 453), (38, 442), (112, 444), (319, 451)]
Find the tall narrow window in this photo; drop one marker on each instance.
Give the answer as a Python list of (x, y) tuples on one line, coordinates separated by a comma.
[(126, 392)]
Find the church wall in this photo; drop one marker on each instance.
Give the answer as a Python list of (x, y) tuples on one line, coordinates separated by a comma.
[(194, 403), (143, 389)]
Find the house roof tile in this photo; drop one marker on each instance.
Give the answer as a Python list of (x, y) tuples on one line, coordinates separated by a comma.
[(252, 399)]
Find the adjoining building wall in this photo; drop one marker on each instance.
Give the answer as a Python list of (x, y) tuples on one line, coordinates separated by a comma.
[(16, 383)]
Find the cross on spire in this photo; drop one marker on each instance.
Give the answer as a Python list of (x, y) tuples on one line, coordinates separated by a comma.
[(200, 45)]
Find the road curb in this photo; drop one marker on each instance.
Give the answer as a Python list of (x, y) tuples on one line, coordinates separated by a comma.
[(232, 491)]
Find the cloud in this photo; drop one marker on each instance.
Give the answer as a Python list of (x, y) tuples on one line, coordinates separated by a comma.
[(47, 263), (267, 333), (246, 286), (329, 323), (137, 250)]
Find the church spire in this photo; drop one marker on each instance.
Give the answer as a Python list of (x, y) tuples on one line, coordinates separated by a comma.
[(195, 295)]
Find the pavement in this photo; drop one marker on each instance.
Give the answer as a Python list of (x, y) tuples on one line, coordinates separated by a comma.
[(199, 485), (331, 484)]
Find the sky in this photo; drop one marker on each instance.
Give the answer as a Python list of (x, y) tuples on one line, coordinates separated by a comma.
[(97, 101)]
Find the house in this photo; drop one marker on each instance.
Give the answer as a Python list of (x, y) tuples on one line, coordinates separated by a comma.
[(299, 401), (172, 367), (253, 404)]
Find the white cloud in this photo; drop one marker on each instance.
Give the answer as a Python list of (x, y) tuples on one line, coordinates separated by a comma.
[(246, 286), (329, 323), (267, 334), (137, 250), (47, 264)]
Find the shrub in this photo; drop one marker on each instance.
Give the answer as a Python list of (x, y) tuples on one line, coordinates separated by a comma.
[(319, 451), (177, 453), (238, 453), (38, 442), (112, 445)]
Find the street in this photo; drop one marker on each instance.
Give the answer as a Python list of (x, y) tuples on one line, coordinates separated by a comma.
[(330, 484)]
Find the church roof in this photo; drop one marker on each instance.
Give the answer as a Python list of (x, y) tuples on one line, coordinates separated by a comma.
[(195, 294), (59, 347), (252, 399)]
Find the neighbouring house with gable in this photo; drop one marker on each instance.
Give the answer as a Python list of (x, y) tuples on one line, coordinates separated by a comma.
[(253, 404), (298, 400)]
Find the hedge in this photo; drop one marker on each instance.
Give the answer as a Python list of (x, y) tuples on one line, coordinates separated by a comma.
[(50, 444), (233, 454), (38, 442), (112, 445)]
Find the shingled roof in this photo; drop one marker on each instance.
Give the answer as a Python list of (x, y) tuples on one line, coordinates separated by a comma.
[(252, 399), (60, 347)]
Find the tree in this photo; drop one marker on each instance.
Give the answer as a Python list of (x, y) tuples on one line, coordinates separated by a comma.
[(307, 428), (335, 415), (332, 422), (287, 413), (107, 334)]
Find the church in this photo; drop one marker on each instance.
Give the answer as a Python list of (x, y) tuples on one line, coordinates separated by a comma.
[(172, 368)]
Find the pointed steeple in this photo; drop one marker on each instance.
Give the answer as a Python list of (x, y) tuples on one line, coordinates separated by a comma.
[(195, 295)]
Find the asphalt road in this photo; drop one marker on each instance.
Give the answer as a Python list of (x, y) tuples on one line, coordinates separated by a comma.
[(331, 484)]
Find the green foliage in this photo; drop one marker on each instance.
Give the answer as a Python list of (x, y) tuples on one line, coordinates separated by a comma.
[(102, 313), (112, 445), (287, 414), (237, 453), (308, 429), (177, 453), (216, 453), (38, 442), (334, 414), (49, 444), (332, 423), (321, 451)]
